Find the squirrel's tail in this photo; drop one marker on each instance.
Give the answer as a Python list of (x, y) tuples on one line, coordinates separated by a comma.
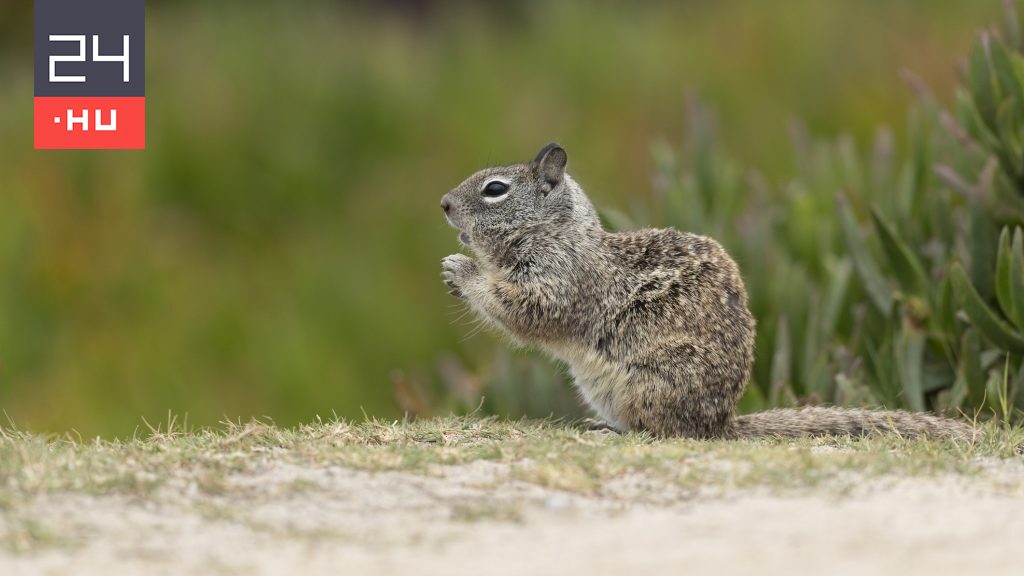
[(818, 421)]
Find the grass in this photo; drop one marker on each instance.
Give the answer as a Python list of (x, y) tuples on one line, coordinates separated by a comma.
[(548, 453), (33, 464), (199, 469)]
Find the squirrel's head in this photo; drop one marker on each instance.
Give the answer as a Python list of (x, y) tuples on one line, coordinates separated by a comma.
[(500, 204)]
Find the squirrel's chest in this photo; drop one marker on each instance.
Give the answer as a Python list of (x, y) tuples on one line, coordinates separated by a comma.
[(599, 381)]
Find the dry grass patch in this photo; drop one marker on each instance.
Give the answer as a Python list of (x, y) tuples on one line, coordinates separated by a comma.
[(217, 472)]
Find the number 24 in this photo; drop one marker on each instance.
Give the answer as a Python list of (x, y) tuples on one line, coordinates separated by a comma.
[(80, 57)]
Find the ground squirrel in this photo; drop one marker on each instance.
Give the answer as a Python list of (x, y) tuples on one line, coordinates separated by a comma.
[(653, 323)]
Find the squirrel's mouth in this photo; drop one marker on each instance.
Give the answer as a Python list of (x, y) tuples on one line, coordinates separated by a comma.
[(463, 235)]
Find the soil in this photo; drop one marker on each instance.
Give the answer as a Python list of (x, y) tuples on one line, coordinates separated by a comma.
[(479, 519)]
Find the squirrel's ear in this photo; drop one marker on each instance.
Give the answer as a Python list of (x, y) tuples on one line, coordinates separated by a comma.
[(550, 165)]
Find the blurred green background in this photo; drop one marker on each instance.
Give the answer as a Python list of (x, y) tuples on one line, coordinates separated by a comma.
[(274, 251)]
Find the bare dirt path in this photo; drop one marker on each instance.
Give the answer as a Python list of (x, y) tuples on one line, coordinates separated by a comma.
[(482, 496), (478, 519)]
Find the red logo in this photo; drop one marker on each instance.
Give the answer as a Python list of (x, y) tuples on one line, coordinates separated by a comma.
[(90, 122)]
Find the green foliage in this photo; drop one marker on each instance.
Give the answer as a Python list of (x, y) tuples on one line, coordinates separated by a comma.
[(274, 249), (933, 317)]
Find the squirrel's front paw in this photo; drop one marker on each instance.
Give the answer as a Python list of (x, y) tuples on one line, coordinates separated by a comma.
[(456, 270)]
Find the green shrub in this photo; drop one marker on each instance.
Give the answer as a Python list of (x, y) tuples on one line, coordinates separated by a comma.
[(274, 250), (879, 276)]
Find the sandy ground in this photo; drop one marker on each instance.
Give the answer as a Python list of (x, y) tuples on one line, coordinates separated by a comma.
[(477, 519)]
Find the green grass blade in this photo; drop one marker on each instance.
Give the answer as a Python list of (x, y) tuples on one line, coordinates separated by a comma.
[(944, 315), (835, 295), (1006, 71), (782, 355), (971, 370), (909, 353), (883, 370), (1004, 267), (1011, 26), (1016, 279), (877, 286), (993, 328), (982, 243), (905, 265), (980, 83), (1010, 149)]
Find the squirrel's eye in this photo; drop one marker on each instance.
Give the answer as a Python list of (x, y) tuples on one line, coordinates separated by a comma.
[(495, 188)]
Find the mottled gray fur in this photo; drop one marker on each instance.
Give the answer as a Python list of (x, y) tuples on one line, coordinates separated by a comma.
[(653, 323)]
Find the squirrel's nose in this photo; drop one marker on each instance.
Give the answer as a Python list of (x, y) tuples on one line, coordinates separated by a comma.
[(445, 204)]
